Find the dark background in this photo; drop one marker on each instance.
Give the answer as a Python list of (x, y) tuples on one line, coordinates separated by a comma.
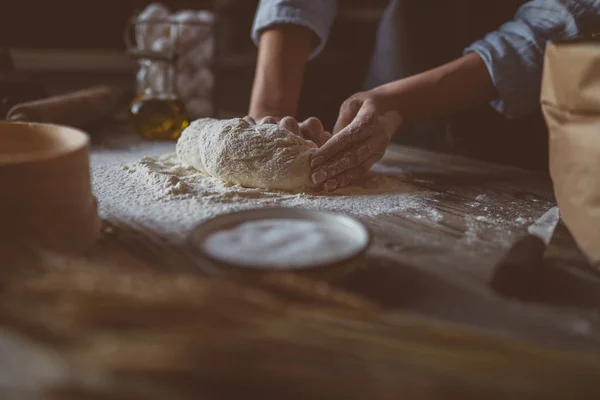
[(89, 35), (70, 44)]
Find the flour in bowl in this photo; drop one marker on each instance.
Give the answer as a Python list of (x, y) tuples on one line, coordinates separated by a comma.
[(281, 243)]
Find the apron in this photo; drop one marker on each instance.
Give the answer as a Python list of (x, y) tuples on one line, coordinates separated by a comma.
[(417, 35)]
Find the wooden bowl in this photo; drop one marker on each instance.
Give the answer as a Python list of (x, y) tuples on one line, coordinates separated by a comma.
[(46, 187)]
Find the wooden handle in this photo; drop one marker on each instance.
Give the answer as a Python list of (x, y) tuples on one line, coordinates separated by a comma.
[(517, 272), (522, 274)]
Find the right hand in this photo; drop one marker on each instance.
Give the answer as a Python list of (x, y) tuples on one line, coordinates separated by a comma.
[(362, 133), (310, 129)]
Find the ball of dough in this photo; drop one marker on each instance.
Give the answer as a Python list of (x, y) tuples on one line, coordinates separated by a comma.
[(234, 151)]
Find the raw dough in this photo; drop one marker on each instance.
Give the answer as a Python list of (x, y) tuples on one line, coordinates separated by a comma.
[(234, 151)]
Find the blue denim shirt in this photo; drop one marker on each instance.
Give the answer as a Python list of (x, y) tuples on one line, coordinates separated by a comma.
[(513, 54)]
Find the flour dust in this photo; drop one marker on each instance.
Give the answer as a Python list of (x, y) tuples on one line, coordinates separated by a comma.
[(160, 194), (149, 188)]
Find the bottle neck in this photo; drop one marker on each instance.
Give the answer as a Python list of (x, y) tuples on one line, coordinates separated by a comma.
[(158, 79)]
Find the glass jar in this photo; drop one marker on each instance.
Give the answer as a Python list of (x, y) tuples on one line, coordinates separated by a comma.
[(157, 112)]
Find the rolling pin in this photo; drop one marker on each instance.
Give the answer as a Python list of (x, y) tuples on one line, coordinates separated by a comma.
[(76, 109)]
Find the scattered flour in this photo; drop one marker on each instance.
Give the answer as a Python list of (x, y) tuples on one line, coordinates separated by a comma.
[(159, 194), (471, 231), (144, 185), (435, 215), (521, 220), (493, 226)]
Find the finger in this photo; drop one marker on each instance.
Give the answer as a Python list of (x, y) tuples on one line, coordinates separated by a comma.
[(325, 137), (363, 126), (268, 120), (353, 157), (312, 129), (350, 176), (312, 124), (348, 111), (322, 138), (249, 120), (291, 125)]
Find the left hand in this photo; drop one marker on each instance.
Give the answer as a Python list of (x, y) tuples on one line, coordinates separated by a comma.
[(310, 129), (361, 135)]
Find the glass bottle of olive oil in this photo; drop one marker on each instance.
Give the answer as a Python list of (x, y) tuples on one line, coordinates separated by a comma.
[(157, 113)]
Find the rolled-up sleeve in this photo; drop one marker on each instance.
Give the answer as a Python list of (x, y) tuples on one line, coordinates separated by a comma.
[(514, 53), (316, 15)]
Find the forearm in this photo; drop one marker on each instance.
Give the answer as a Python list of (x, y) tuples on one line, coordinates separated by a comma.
[(514, 53), (282, 57), (453, 87)]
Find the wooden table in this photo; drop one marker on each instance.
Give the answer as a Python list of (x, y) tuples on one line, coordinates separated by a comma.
[(414, 269)]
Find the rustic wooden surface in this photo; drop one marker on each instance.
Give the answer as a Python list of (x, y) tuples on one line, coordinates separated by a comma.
[(438, 270)]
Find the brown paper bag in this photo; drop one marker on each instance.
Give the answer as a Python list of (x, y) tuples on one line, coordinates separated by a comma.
[(571, 106)]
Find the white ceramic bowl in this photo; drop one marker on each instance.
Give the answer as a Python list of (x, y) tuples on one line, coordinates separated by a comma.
[(45, 186), (342, 263)]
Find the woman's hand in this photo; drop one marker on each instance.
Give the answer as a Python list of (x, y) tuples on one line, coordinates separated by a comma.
[(311, 129), (361, 135), (368, 120)]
